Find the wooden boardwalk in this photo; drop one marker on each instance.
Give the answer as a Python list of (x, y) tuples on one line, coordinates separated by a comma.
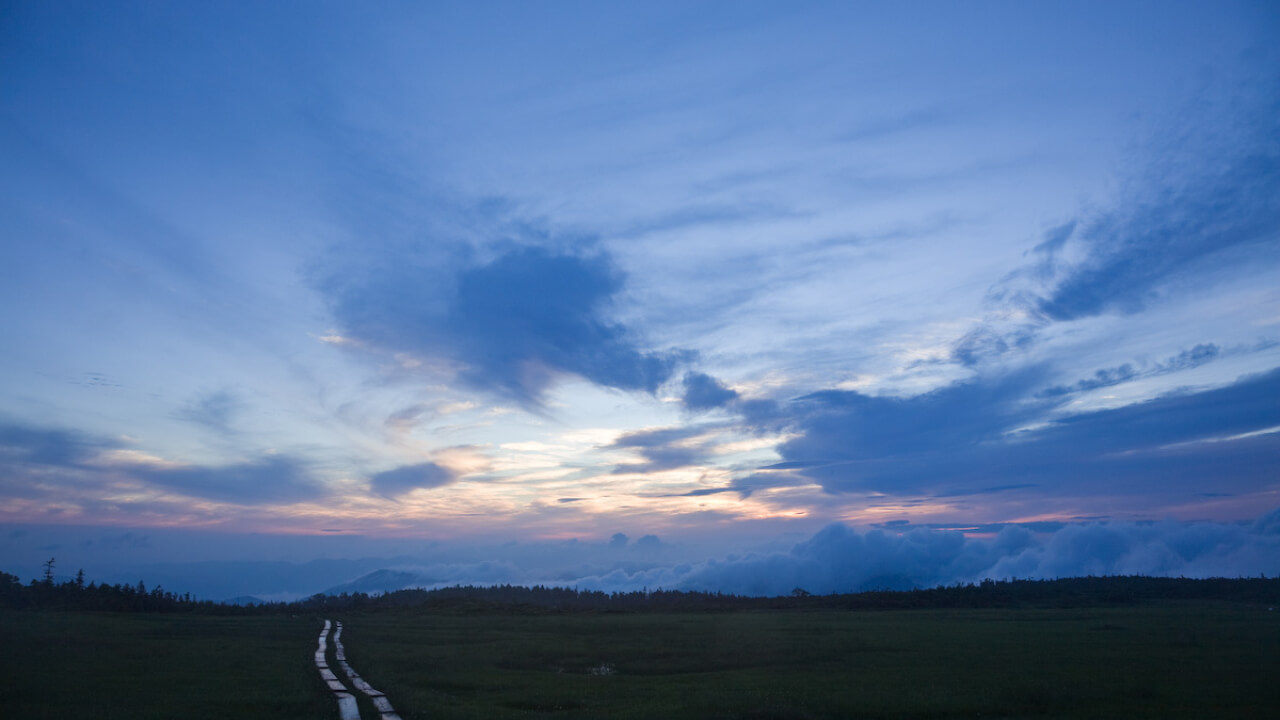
[(347, 708)]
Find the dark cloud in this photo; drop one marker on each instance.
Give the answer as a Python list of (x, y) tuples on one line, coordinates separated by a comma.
[(662, 449), (48, 446), (1246, 406), (959, 440), (703, 392), (763, 414), (407, 478), (276, 478), (513, 325), (853, 441)]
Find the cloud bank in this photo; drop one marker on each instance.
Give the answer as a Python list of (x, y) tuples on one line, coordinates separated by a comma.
[(983, 434), (840, 559)]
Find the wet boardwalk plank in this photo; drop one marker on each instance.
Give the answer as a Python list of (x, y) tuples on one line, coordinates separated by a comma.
[(379, 699), (347, 707)]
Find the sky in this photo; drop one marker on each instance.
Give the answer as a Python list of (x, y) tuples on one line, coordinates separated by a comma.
[(736, 296)]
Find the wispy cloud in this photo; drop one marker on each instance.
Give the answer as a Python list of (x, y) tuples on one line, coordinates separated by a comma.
[(1108, 377), (214, 410), (1216, 214), (1198, 211)]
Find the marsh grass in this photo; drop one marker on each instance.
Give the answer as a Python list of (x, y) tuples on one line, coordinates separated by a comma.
[(144, 666), (1170, 660), (1177, 660)]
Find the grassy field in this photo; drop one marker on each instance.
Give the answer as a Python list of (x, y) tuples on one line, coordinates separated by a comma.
[(1192, 660), (140, 666), (1183, 660)]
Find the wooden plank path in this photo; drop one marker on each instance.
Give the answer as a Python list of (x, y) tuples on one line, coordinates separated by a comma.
[(380, 702), (347, 708)]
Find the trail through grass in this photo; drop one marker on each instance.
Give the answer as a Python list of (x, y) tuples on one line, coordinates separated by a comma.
[(1175, 660)]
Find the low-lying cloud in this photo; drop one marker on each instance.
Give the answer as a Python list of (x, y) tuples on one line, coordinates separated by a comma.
[(840, 559)]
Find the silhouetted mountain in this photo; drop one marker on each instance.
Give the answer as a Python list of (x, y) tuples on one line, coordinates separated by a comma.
[(381, 581)]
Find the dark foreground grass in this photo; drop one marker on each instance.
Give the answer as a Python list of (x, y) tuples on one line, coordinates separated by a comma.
[(1187, 660), (1174, 660), (136, 666)]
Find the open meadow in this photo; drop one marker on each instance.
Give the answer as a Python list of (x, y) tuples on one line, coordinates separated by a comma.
[(1180, 660), (1168, 660), (76, 664)]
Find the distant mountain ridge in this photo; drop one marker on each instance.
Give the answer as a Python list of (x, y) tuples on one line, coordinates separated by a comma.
[(382, 581)]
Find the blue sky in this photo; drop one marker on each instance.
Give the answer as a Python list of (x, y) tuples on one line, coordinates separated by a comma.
[(743, 277)]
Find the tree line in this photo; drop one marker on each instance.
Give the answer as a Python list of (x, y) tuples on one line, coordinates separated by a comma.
[(47, 594), (1111, 590)]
